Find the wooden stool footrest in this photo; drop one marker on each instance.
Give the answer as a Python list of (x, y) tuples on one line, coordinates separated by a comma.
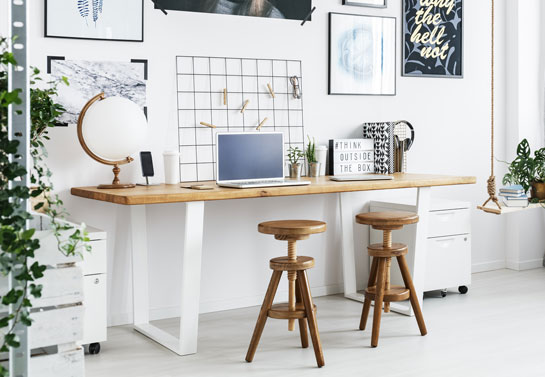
[(394, 294), (282, 311), (380, 251), (285, 264)]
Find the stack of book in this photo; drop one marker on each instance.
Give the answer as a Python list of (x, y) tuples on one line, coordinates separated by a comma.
[(514, 196)]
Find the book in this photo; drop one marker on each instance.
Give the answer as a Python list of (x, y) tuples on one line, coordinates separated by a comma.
[(513, 189), (512, 195), (516, 202)]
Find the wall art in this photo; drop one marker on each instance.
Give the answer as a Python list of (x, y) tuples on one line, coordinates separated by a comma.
[(366, 3), (362, 54), (112, 20), (89, 78), (223, 94), (433, 38), (281, 9)]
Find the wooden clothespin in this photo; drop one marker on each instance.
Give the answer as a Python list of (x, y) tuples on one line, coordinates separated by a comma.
[(270, 90), (225, 96), (261, 124), (208, 125), (244, 106)]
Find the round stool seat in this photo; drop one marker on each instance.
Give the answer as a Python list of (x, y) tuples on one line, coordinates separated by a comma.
[(285, 264), (394, 294), (379, 250), (387, 220), (282, 311), (292, 227)]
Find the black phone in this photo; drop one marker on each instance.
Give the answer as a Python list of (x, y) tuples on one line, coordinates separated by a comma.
[(147, 164)]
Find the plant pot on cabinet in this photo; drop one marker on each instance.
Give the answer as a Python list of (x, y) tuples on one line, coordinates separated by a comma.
[(538, 190), (295, 170), (314, 169)]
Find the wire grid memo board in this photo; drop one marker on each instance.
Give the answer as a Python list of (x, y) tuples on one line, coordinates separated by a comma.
[(202, 83)]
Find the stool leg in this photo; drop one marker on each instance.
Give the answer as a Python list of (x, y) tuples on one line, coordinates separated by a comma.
[(379, 297), (414, 300), (302, 322), (262, 318), (311, 317), (292, 276), (387, 283), (367, 302)]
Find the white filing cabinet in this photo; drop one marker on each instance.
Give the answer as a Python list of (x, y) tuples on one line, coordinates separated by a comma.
[(94, 288), (448, 257)]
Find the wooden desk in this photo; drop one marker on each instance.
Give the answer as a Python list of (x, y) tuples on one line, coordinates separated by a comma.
[(194, 200)]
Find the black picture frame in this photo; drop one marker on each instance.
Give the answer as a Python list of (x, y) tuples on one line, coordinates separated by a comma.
[(404, 46), (329, 86), (47, 35), (352, 3)]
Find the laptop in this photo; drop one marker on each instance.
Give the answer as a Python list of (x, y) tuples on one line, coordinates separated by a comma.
[(251, 159)]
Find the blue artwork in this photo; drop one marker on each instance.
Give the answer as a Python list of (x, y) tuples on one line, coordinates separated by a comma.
[(83, 8), (362, 55)]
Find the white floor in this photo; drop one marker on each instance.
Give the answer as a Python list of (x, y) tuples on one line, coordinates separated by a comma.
[(497, 329)]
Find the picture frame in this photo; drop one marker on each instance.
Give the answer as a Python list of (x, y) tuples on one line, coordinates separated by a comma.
[(121, 21), (367, 3), (414, 65), (371, 70)]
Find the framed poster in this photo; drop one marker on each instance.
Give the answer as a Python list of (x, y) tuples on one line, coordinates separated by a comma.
[(104, 20), (280, 9), (362, 54), (366, 3), (433, 38)]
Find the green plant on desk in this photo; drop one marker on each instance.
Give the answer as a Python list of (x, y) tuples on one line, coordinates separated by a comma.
[(527, 170), (310, 153), (294, 155)]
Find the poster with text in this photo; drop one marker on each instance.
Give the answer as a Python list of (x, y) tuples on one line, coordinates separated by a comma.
[(432, 38)]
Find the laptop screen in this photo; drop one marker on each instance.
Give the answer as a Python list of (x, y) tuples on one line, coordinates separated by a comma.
[(244, 156)]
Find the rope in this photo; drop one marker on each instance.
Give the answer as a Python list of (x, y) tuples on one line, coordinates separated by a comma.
[(492, 189)]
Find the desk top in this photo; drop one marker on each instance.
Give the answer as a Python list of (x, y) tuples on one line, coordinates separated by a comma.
[(321, 185)]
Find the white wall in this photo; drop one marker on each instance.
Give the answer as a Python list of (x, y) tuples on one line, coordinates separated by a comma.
[(451, 117)]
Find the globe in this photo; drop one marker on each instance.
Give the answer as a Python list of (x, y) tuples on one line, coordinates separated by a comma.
[(114, 128)]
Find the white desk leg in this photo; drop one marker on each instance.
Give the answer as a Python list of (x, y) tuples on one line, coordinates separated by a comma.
[(186, 344), (348, 253), (418, 269)]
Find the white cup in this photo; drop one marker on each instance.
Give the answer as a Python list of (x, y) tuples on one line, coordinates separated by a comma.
[(321, 156), (172, 167)]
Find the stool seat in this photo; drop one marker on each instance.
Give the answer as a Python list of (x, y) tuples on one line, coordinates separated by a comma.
[(282, 311), (285, 264), (379, 250), (394, 294), (387, 220), (292, 227)]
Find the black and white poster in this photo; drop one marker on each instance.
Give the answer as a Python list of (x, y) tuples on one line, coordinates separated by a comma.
[(281, 9), (433, 42)]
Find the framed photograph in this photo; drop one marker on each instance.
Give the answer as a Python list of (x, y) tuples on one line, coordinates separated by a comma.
[(104, 20), (366, 3), (279, 9), (362, 54), (433, 39)]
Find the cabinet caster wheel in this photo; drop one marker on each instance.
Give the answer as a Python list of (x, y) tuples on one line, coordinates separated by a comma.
[(463, 289), (444, 293), (94, 348)]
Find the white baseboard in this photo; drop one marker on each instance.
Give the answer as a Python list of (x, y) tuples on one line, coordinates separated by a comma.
[(524, 265), (488, 266), (119, 319)]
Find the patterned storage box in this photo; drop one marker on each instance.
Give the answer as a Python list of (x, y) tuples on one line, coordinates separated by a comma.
[(383, 135)]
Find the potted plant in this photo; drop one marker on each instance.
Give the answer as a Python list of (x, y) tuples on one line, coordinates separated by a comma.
[(313, 164), (18, 242), (294, 155), (528, 171)]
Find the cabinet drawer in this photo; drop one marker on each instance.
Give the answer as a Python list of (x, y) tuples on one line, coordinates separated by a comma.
[(449, 222), (94, 328), (94, 262), (448, 262)]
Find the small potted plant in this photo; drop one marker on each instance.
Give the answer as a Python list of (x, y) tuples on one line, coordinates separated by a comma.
[(294, 155), (313, 164), (528, 171)]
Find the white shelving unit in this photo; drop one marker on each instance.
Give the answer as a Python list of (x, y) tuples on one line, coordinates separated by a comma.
[(448, 257)]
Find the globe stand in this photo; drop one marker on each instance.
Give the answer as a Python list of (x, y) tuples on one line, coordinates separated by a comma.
[(116, 170)]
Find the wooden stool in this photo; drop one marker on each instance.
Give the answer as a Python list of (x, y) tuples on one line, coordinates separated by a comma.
[(379, 288), (300, 305)]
